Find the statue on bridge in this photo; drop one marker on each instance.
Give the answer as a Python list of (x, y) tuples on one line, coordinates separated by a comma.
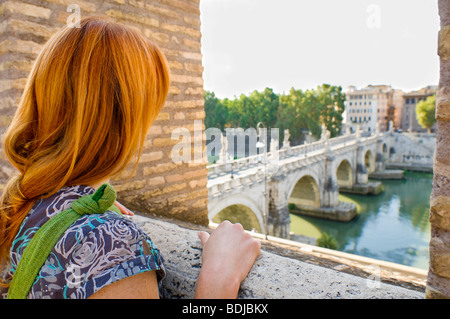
[(325, 137), (348, 130), (391, 126), (223, 158), (286, 141), (325, 133), (273, 145), (358, 131)]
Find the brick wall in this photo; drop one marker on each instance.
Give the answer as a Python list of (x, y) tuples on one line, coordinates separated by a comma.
[(438, 285), (159, 185)]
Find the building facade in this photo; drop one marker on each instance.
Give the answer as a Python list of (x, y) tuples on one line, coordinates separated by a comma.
[(373, 107), (408, 115)]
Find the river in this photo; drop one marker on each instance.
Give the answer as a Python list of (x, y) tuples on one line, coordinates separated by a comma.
[(392, 226)]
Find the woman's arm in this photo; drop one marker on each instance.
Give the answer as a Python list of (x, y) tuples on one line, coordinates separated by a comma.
[(228, 254), (140, 286)]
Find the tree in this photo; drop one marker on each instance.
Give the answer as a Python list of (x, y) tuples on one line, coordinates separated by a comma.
[(308, 110), (331, 100), (265, 105), (297, 111), (425, 112), (216, 113), (296, 114), (247, 111)]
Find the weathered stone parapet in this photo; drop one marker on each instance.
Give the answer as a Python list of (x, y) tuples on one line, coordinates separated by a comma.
[(438, 285), (273, 276)]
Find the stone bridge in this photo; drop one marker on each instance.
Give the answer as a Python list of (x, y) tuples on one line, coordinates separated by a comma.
[(306, 179)]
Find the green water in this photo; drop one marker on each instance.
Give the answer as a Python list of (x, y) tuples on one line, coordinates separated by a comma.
[(392, 226)]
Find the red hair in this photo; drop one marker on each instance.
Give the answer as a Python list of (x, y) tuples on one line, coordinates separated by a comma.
[(86, 109)]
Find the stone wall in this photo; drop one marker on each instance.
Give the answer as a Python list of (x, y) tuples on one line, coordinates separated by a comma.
[(413, 151), (284, 269), (159, 185), (439, 271)]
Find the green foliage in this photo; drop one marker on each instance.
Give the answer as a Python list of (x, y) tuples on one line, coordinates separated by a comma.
[(217, 112), (331, 101), (425, 112), (327, 241), (297, 111), (291, 206), (247, 111)]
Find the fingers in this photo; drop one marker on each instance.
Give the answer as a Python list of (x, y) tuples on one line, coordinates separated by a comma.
[(236, 233), (227, 257), (203, 236), (232, 234), (123, 209)]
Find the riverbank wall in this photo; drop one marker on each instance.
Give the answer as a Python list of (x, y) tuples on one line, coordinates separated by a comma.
[(411, 151)]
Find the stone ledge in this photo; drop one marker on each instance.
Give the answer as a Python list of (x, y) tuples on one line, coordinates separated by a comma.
[(284, 270), (343, 212), (388, 174), (371, 188), (414, 167)]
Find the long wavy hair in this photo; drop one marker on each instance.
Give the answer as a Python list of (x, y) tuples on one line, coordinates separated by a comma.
[(90, 98)]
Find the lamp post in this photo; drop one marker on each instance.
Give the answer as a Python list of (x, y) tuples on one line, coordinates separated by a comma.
[(260, 144), (232, 166)]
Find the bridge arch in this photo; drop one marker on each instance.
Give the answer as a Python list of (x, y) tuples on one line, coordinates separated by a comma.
[(369, 161), (304, 191), (344, 174), (238, 209), (392, 151)]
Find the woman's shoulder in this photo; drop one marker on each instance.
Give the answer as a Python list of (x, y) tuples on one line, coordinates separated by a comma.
[(101, 249), (106, 233), (96, 250)]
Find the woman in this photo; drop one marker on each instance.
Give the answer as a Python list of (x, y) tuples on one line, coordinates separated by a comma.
[(89, 101)]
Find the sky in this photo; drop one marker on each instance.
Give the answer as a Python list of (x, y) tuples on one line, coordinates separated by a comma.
[(249, 45)]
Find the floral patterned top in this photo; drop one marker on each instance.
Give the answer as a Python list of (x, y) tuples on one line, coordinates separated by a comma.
[(94, 252)]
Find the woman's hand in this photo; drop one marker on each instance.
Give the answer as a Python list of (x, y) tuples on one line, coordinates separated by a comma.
[(123, 209), (228, 254)]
